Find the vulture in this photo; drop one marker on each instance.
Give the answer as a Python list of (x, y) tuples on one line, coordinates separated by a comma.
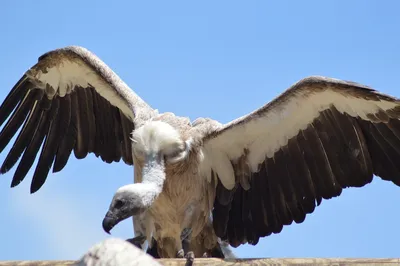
[(222, 183)]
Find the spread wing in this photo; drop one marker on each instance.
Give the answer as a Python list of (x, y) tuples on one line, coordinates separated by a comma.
[(275, 165), (68, 101)]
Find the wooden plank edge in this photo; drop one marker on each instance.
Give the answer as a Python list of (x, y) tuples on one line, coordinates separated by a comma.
[(213, 262)]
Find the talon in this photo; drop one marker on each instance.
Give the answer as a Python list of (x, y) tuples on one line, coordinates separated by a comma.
[(180, 254), (189, 258), (205, 255), (190, 255)]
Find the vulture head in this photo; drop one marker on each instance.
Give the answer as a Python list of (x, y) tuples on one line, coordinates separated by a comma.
[(155, 146)]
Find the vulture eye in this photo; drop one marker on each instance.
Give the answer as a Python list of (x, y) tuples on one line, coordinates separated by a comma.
[(170, 156), (118, 204)]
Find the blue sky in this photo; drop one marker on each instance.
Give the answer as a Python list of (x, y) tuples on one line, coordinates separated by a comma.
[(219, 59)]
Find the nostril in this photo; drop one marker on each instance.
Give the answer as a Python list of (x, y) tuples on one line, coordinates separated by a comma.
[(118, 204)]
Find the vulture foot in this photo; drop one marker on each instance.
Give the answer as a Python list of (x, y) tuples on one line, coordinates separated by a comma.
[(137, 241), (189, 256), (180, 254)]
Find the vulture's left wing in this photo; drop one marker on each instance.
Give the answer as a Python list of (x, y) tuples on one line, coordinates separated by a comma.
[(68, 101), (276, 164)]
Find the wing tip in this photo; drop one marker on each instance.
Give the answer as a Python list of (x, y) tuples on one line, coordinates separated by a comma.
[(35, 187), (68, 48), (318, 79), (15, 182)]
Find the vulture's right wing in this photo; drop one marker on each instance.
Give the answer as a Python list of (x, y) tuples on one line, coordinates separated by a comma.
[(70, 100)]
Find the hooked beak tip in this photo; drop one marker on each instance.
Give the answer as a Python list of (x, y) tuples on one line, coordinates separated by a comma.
[(108, 224)]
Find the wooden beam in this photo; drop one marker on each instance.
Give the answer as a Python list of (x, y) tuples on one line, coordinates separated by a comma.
[(282, 261), (236, 262)]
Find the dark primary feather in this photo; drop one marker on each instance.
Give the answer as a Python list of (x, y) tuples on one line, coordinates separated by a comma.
[(17, 117), (68, 141), (49, 147), (81, 148), (333, 152), (81, 122), (24, 137), (31, 151), (13, 98)]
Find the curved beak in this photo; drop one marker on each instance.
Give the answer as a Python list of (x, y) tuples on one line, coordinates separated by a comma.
[(109, 222)]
